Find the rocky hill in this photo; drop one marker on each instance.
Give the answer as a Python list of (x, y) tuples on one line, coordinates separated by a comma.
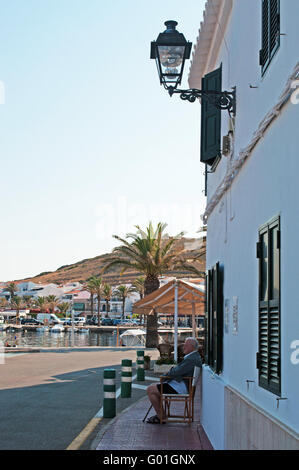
[(85, 269)]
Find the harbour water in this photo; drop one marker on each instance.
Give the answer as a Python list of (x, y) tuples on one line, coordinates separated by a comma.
[(48, 339)]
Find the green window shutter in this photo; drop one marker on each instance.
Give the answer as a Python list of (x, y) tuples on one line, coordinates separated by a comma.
[(210, 120), (270, 31), (274, 27), (207, 329), (214, 319), (217, 318), (268, 357), (209, 319), (264, 52)]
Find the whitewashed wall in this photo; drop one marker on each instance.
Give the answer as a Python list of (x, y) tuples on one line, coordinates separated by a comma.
[(212, 408), (266, 186), (240, 62)]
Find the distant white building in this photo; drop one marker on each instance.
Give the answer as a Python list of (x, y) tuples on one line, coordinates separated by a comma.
[(24, 287), (74, 293), (80, 301), (250, 380), (43, 290), (39, 290)]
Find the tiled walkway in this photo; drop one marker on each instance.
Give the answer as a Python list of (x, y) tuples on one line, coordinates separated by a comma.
[(128, 432)]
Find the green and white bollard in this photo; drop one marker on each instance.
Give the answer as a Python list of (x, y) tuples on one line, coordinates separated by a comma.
[(126, 378), (140, 365), (109, 408)]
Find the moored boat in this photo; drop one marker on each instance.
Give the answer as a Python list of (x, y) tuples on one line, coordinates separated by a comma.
[(57, 329), (134, 337)]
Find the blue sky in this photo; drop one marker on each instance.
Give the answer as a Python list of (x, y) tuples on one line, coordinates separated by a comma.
[(90, 143)]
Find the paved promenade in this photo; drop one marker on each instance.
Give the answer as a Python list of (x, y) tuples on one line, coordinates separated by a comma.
[(127, 432), (52, 400), (48, 398)]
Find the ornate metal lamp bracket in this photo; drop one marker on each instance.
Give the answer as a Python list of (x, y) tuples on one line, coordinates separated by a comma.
[(224, 100)]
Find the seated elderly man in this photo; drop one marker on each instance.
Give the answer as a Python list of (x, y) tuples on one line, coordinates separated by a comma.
[(174, 378)]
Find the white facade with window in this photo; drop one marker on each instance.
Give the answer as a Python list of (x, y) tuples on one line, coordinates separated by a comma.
[(253, 186)]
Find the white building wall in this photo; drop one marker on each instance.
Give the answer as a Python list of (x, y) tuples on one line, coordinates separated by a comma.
[(212, 408), (239, 56), (265, 187)]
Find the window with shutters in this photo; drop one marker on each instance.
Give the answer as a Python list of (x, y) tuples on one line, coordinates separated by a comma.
[(270, 32), (210, 120), (268, 356), (214, 319)]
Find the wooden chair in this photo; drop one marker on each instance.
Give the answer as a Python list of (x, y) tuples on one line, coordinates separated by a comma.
[(187, 398)]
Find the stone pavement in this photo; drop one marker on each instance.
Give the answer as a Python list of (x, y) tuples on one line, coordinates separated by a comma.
[(127, 431)]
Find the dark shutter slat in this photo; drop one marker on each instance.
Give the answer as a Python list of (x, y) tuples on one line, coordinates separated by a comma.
[(270, 31), (214, 319), (269, 315), (264, 53), (206, 352), (274, 25), (210, 120), (219, 319)]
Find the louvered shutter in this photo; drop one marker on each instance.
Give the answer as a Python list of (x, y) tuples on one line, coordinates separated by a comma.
[(217, 319), (207, 325), (214, 319), (268, 357), (264, 53), (210, 120), (270, 31), (274, 26)]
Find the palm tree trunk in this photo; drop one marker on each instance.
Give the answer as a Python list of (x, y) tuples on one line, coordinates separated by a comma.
[(107, 307), (150, 285), (91, 304), (99, 313), (123, 314), (152, 339)]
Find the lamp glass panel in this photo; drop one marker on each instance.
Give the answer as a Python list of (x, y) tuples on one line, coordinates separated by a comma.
[(171, 59)]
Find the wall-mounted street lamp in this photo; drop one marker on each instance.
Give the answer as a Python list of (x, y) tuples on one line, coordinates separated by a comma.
[(170, 51)]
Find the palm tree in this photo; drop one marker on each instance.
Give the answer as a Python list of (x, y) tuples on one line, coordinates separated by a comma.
[(63, 307), (123, 292), (107, 294), (97, 284), (3, 302), (138, 285), (152, 253), (41, 303), (89, 287), (12, 289), (17, 303), (28, 300), (196, 264), (52, 301)]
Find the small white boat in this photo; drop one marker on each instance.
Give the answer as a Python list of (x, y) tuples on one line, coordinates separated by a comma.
[(134, 337), (42, 329), (57, 329)]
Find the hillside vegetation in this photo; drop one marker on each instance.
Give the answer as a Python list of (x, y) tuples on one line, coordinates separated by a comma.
[(85, 269)]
